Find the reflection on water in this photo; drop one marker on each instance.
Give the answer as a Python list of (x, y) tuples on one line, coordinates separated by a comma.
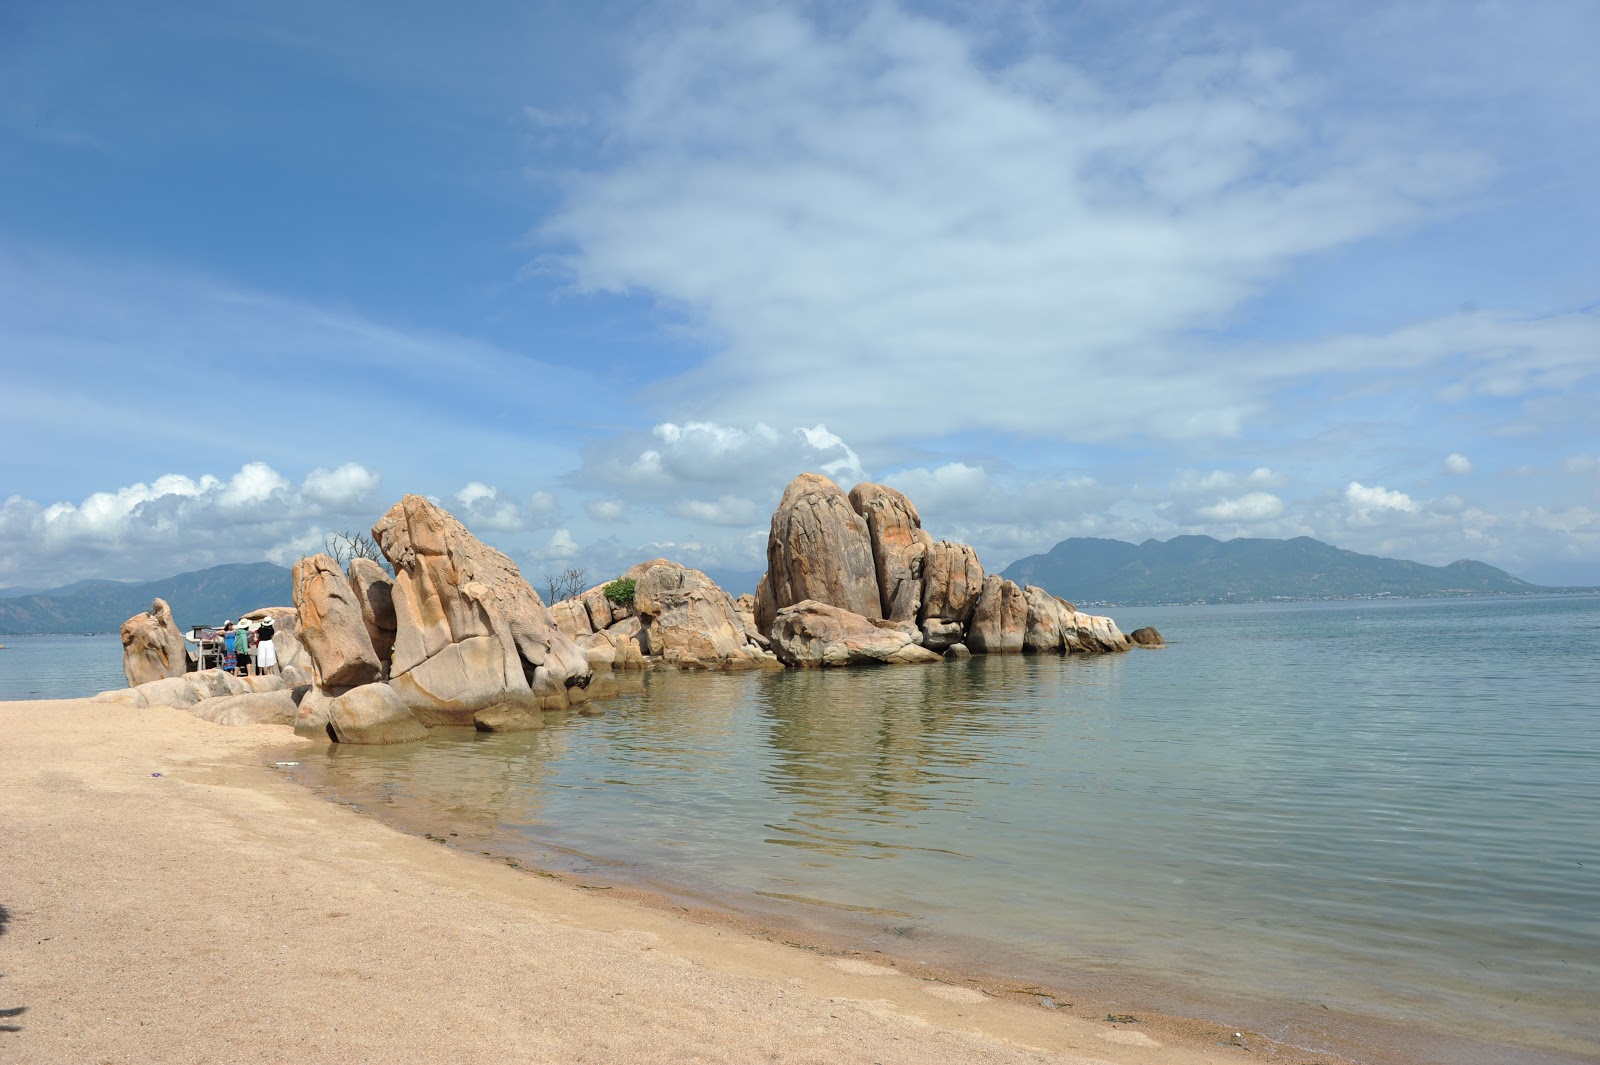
[(1352, 807)]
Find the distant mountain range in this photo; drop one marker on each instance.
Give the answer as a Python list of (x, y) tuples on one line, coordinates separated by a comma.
[(204, 597), (1193, 569)]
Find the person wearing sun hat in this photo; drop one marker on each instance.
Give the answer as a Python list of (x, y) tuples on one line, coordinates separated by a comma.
[(266, 654), (230, 664), (241, 649)]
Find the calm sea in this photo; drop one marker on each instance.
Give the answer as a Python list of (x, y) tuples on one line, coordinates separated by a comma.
[(1387, 810), (59, 667)]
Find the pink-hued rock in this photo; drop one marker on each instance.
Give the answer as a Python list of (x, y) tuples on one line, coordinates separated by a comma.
[(374, 714), (899, 545), (810, 633), (374, 591), (999, 618), (689, 622), (471, 633), (952, 577), (152, 646), (571, 617), (331, 627), (818, 548), (251, 708)]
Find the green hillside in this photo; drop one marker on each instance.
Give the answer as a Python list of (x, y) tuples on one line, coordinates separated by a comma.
[(198, 598), (1190, 569)]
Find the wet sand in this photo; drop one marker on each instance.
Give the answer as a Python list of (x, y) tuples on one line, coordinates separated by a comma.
[(168, 896)]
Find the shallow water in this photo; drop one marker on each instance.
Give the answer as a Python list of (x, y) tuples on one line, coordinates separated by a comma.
[(1390, 809), (59, 667)]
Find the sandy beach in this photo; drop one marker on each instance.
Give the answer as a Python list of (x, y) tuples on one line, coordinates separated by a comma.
[(170, 897)]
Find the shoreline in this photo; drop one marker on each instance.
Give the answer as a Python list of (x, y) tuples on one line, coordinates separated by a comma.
[(170, 896), (1306, 1033)]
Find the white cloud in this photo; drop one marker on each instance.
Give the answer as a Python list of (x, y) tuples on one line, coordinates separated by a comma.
[(879, 230), (176, 523), (726, 510), (1580, 463), (479, 506), (1457, 463), (474, 492), (1368, 505), (561, 547), (1250, 507), (607, 510), (350, 483), (542, 507)]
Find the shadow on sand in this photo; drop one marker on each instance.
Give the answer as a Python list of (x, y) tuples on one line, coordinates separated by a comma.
[(14, 1011)]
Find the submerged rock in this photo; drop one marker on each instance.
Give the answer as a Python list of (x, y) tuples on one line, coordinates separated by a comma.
[(1146, 637)]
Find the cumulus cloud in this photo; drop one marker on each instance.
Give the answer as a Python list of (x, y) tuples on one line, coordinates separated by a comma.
[(1457, 463), (176, 522), (479, 506), (1250, 507), (1367, 505), (560, 547), (607, 510)]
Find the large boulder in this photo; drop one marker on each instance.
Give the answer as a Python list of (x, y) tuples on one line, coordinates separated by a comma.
[(374, 591), (1043, 628), (689, 622), (999, 618), (373, 713), (331, 626), (152, 646), (571, 616), (1146, 637), (894, 529), (810, 633), (1093, 633), (471, 633), (251, 708), (952, 577), (819, 549)]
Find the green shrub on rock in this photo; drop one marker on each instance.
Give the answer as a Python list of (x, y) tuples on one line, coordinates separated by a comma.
[(619, 591)]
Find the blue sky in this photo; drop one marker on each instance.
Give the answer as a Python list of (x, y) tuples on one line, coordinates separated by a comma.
[(602, 278)]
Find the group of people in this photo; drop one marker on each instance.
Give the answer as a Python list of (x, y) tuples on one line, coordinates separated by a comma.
[(247, 650)]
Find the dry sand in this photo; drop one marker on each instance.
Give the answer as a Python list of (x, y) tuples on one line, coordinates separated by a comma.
[(168, 897)]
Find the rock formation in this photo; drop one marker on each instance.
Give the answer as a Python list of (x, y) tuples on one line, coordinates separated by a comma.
[(374, 590), (331, 625), (152, 646), (471, 634), (899, 545), (810, 633), (294, 661), (689, 622), (819, 549), (999, 618), (1146, 637)]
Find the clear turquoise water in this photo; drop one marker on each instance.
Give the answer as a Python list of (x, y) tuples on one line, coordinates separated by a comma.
[(1389, 809), (59, 667)]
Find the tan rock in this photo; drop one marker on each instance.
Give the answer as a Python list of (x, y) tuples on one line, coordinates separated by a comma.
[(251, 708), (952, 577), (818, 549), (628, 638), (374, 591), (601, 614), (940, 635), (168, 691), (1093, 633), (572, 618), (128, 697), (152, 646), (600, 651), (1146, 637), (331, 626), (810, 633), (375, 714), (1042, 632), (899, 544), (214, 684), (999, 618), (746, 606), (765, 610), (471, 633), (689, 622)]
